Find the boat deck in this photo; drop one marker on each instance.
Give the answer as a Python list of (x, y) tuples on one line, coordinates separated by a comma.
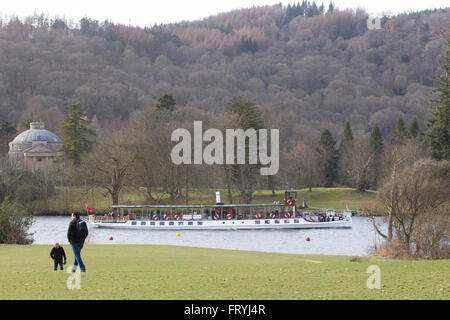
[(291, 223)]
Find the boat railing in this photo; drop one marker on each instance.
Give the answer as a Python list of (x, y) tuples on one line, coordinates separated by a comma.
[(109, 219)]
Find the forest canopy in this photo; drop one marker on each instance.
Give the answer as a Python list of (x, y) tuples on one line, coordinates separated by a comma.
[(310, 67)]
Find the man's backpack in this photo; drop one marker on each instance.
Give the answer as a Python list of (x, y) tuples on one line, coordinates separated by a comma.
[(82, 229)]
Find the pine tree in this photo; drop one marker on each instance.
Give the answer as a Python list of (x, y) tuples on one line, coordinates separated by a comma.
[(328, 158), (166, 102), (247, 113), (76, 135), (6, 134), (399, 133), (376, 140), (322, 8), (345, 153), (347, 135), (247, 117), (414, 130), (331, 7), (438, 134)]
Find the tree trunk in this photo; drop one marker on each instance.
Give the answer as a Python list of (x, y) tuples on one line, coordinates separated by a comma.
[(227, 176), (186, 182), (115, 196), (390, 229), (376, 228)]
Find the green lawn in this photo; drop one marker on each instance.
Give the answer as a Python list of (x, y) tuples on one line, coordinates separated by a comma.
[(74, 199), (170, 272)]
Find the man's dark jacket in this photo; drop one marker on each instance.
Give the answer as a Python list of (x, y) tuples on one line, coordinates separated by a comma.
[(72, 234), (58, 254)]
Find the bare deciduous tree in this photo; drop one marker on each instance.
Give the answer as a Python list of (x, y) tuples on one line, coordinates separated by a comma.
[(357, 164), (109, 166), (303, 161), (411, 194)]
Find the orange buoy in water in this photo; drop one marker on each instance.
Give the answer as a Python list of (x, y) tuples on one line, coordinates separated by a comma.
[(307, 239), (178, 234), (111, 238)]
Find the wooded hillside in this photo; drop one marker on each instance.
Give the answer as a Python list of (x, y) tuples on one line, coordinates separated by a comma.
[(310, 68)]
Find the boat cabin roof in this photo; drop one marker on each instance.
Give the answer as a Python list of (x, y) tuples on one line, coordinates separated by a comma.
[(256, 205), (195, 206), (152, 206)]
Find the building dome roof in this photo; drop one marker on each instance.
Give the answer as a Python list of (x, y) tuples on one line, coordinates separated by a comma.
[(37, 132)]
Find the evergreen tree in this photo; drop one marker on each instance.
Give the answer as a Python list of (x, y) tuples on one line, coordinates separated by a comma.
[(6, 134), (345, 153), (76, 135), (304, 7), (347, 135), (414, 130), (328, 158), (247, 45), (300, 11), (247, 116), (438, 134), (331, 7), (166, 102), (321, 8), (313, 9), (247, 113), (376, 140), (399, 133)]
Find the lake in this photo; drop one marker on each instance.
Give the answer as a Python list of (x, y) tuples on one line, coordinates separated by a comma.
[(356, 241)]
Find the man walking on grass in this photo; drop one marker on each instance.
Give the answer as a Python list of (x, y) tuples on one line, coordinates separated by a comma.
[(76, 234)]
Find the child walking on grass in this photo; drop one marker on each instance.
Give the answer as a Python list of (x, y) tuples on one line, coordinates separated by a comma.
[(58, 255)]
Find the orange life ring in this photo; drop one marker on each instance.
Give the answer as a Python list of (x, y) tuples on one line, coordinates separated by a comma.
[(287, 214), (258, 216), (229, 216), (177, 217)]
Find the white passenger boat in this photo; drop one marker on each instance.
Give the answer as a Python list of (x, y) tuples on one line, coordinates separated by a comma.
[(219, 217)]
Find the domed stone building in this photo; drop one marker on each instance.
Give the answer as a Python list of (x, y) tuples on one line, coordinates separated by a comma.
[(36, 147)]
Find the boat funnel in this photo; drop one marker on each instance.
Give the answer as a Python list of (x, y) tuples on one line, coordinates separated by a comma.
[(218, 197)]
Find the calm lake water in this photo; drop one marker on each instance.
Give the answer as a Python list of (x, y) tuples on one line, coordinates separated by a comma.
[(356, 241)]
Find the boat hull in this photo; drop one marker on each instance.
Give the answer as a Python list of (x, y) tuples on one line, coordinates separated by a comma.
[(292, 223)]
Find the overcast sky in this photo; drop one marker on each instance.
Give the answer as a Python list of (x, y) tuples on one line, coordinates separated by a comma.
[(148, 12)]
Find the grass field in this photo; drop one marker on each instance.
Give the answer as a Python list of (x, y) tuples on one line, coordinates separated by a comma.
[(170, 272), (74, 199)]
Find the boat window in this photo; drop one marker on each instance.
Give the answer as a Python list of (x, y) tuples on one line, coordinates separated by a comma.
[(296, 221), (171, 223), (199, 223), (190, 223), (152, 223), (180, 223), (286, 221), (257, 222), (267, 221), (277, 221), (161, 223), (133, 223), (143, 223)]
